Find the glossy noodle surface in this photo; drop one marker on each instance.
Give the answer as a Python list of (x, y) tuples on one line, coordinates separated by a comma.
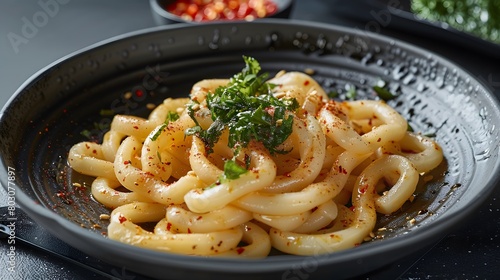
[(315, 183)]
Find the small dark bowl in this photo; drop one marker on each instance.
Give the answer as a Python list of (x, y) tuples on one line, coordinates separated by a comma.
[(162, 16)]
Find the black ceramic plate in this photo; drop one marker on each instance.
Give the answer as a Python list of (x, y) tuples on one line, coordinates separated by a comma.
[(49, 112)]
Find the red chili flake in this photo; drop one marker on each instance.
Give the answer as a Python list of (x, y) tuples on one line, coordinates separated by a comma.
[(122, 219), (306, 82), (127, 162), (363, 189), (169, 226), (189, 230), (240, 250), (342, 170), (94, 151), (139, 93), (136, 127), (199, 218)]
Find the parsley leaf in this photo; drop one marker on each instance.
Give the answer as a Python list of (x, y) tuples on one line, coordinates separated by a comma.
[(248, 109), (171, 117), (383, 93), (232, 170), (351, 92)]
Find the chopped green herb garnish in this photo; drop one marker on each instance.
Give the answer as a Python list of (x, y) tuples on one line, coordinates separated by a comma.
[(158, 132), (105, 112), (98, 128), (409, 128), (171, 117), (384, 93), (247, 107), (232, 170), (86, 133), (333, 94), (351, 92), (102, 126)]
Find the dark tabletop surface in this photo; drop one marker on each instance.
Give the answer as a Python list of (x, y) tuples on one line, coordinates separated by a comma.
[(470, 252)]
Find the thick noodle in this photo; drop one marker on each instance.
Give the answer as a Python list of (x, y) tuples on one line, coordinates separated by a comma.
[(347, 161)]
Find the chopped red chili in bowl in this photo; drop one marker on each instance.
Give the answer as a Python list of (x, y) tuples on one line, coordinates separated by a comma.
[(199, 11), (202, 11), (207, 10)]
